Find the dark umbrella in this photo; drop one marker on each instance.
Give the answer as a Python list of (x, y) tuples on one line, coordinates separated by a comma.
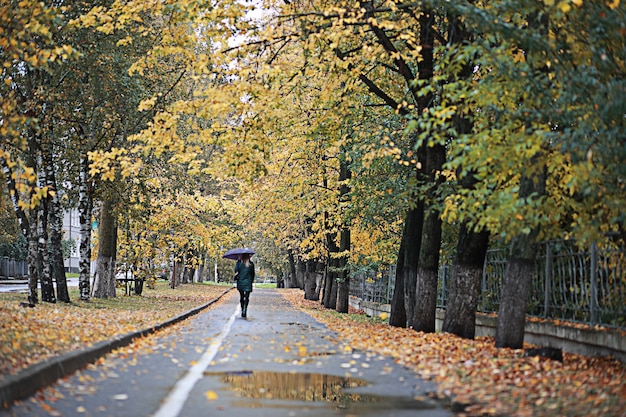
[(235, 253)]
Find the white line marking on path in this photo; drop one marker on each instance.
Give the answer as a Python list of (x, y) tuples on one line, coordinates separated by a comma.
[(178, 396)]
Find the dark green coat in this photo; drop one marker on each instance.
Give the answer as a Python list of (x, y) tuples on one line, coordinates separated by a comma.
[(245, 276)]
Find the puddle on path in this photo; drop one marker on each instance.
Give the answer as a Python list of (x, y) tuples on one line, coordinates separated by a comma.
[(313, 388)]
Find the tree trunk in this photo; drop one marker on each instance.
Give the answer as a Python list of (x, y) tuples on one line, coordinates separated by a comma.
[(47, 288), (173, 277), (465, 283), (414, 223), (85, 205), (427, 273), (201, 267), (319, 281), (397, 317), (104, 284), (301, 268), (332, 294), (310, 282), (27, 230), (289, 278), (309, 286), (33, 256), (330, 288), (516, 283), (139, 286), (177, 273), (433, 157), (343, 287), (56, 235)]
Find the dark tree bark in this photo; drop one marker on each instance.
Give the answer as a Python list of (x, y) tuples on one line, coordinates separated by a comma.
[(290, 278), (343, 281), (465, 283), (397, 317), (104, 283), (428, 267), (330, 287), (332, 298), (516, 283), (423, 317), (343, 285), (201, 267), (177, 272), (310, 281), (413, 224), (301, 268)]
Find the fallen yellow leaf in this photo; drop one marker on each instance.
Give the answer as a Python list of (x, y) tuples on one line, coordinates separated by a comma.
[(211, 395)]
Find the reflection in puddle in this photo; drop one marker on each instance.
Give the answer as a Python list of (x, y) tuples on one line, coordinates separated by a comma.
[(290, 386), (309, 387)]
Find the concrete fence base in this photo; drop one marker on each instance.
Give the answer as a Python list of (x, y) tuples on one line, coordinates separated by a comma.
[(581, 341)]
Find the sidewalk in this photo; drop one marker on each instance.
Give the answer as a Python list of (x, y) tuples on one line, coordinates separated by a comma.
[(277, 362)]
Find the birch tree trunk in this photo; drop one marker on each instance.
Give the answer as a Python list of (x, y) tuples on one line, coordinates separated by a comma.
[(47, 288), (25, 227), (56, 233), (85, 205), (33, 256)]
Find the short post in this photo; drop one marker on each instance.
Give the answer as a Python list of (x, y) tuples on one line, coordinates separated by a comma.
[(548, 281), (593, 301), (362, 278)]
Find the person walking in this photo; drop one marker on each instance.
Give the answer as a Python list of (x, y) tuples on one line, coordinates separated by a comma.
[(244, 275)]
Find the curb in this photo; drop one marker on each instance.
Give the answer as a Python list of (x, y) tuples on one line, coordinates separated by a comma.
[(33, 378)]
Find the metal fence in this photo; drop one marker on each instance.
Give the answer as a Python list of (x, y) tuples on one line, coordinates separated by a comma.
[(11, 268), (586, 286)]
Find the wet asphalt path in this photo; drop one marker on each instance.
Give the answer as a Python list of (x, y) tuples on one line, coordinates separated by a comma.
[(277, 362)]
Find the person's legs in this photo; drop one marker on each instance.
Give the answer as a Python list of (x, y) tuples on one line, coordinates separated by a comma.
[(245, 298), (241, 298)]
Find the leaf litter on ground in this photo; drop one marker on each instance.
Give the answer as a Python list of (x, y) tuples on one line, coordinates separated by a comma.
[(476, 378), (472, 375), (32, 335)]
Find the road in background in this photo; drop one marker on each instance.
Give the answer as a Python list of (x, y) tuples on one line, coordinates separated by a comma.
[(21, 285)]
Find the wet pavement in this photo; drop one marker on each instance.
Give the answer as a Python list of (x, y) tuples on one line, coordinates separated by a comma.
[(276, 362)]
